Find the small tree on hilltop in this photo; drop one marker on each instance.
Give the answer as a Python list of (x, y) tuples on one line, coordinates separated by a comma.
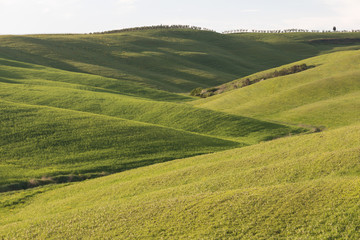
[(334, 28)]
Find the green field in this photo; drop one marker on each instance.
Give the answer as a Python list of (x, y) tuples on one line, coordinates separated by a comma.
[(49, 142), (326, 95), (71, 91), (303, 187), (278, 159), (105, 130), (172, 60)]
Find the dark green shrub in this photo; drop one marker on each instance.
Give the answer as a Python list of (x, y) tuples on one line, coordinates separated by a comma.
[(205, 94), (246, 82), (196, 91), (214, 89)]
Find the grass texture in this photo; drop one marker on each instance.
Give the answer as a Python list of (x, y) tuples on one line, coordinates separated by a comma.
[(76, 107), (304, 187), (327, 95), (48, 142), (171, 60)]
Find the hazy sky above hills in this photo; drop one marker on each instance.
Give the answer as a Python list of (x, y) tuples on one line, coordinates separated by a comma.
[(81, 16)]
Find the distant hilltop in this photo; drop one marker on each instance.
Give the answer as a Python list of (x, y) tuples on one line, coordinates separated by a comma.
[(155, 27)]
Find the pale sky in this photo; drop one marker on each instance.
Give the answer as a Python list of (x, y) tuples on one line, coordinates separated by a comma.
[(84, 16)]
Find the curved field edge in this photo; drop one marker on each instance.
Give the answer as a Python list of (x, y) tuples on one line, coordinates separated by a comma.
[(171, 60), (21, 72), (299, 187), (317, 96), (37, 85), (42, 142)]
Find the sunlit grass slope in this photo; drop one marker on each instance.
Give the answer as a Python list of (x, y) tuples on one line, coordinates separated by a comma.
[(41, 142), (172, 60), (303, 187), (37, 85), (327, 95), (81, 106), (21, 72)]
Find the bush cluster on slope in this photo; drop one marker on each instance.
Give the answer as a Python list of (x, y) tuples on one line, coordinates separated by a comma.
[(204, 93)]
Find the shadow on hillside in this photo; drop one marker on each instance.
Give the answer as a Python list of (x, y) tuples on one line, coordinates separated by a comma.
[(4, 80), (226, 58), (22, 56)]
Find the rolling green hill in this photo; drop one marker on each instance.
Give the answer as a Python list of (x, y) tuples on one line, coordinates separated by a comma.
[(115, 107), (172, 60), (43, 86), (327, 95), (304, 187), (21, 72), (99, 136), (42, 142)]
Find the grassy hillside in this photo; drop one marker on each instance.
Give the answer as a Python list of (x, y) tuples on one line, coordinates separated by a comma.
[(327, 95), (172, 60), (304, 187), (42, 142), (59, 126), (36, 85), (76, 107), (21, 72)]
